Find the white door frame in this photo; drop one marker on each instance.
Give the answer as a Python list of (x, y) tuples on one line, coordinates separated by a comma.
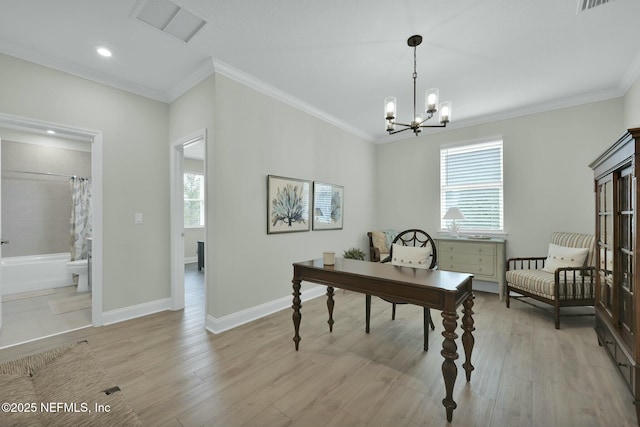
[(177, 216), (95, 137)]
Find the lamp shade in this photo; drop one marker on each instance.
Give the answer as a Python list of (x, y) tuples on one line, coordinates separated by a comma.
[(453, 213)]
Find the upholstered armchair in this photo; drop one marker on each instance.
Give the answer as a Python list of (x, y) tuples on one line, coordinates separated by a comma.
[(379, 244), (564, 278)]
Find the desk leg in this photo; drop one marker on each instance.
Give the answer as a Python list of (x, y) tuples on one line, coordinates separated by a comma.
[(450, 353), (467, 337), (330, 304), (297, 316), (367, 312)]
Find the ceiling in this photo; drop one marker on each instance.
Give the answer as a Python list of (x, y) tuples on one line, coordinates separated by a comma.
[(339, 59)]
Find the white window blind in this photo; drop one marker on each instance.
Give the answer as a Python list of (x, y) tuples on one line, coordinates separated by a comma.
[(471, 179), (193, 200)]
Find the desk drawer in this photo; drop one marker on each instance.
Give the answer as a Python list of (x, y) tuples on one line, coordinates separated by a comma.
[(467, 248)]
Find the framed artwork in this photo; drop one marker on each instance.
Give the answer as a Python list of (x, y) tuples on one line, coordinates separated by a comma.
[(288, 202), (328, 206)]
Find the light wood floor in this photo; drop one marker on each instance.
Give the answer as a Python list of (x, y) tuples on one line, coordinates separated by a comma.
[(174, 373)]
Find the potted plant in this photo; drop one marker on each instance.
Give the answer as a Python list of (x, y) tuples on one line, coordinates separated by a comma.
[(354, 253)]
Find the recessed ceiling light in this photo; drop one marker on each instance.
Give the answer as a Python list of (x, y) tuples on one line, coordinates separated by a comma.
[(51, 132), (104, 52)]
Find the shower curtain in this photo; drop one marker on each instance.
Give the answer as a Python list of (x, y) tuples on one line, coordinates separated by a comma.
[(80, 216)]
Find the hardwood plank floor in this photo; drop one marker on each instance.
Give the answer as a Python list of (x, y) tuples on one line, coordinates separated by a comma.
[(174, 373)]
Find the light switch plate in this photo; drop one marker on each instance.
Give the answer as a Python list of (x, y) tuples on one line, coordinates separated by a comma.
[(138, 218)]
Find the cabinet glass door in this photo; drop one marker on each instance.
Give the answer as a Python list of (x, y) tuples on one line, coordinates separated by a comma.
[(625, 287), (605, 242)]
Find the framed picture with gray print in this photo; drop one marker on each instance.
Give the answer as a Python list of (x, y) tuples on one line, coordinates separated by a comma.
[(288, 201)]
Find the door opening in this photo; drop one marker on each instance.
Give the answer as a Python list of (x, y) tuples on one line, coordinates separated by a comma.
[(188, 221)]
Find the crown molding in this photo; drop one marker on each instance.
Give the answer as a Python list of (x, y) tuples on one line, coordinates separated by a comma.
[(631, 75), (273, 92), (202, 72)]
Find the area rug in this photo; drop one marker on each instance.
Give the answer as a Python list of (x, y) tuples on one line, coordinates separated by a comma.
[(65, 386), (69, 304)]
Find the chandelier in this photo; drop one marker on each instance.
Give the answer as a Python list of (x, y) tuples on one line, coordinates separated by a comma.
[(431, 104)]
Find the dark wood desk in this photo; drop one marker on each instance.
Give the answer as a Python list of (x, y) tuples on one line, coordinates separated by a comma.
[(437, 289)]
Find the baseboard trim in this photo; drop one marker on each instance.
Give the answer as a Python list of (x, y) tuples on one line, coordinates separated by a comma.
[(218, 325), (139, 310)]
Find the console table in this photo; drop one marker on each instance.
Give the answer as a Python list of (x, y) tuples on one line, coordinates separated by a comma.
[(484, 258), (437, 289)]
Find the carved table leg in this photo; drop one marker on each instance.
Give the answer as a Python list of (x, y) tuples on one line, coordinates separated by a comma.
[(467, 337), (297, 316), (450, 353), (330, 304), (367, 310)]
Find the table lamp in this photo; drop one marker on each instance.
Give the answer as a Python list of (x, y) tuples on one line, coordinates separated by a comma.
[(453, 214)]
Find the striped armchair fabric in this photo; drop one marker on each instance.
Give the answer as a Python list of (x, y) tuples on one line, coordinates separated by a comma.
[(567, 286)]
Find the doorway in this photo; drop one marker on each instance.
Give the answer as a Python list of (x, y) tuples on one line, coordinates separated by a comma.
[(188, 223), (31, 131)]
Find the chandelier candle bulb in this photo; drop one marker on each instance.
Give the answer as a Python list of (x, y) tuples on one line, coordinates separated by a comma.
[(431, 96), (390, 107), (445, 112)]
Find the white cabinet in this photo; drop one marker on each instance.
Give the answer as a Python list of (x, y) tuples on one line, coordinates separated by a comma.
[(484, 258)]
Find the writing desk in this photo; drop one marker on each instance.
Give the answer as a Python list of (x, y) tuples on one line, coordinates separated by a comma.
[(437, 289)]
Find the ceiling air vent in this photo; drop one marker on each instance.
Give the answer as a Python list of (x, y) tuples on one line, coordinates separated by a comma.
[(584, 5), (170, 18)]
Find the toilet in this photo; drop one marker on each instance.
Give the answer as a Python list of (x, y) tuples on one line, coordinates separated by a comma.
[(81, 268)]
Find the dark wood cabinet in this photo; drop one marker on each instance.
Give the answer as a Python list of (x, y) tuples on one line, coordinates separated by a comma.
[(617, 294), (200, 255)]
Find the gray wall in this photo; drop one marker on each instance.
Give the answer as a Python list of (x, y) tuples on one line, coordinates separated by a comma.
[(135, 170), (36, 208), (247, 267), (548, 185)]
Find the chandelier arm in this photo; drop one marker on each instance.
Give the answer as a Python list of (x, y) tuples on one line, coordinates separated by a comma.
[(444, 125), (426, 118), (398, 131)]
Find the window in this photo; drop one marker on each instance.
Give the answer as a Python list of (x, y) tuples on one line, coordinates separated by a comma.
[(471, 179), (193, 199)]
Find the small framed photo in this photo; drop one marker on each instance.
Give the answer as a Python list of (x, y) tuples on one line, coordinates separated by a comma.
[(288, 202), (328, 206)]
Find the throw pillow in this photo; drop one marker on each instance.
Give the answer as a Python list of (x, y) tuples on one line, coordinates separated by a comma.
[(410, 256), (379, 241), (562, 256)]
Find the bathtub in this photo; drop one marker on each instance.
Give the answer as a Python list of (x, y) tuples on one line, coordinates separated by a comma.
[(34, 273)]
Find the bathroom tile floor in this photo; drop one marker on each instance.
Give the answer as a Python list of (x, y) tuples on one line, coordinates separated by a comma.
[(29, 316)]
